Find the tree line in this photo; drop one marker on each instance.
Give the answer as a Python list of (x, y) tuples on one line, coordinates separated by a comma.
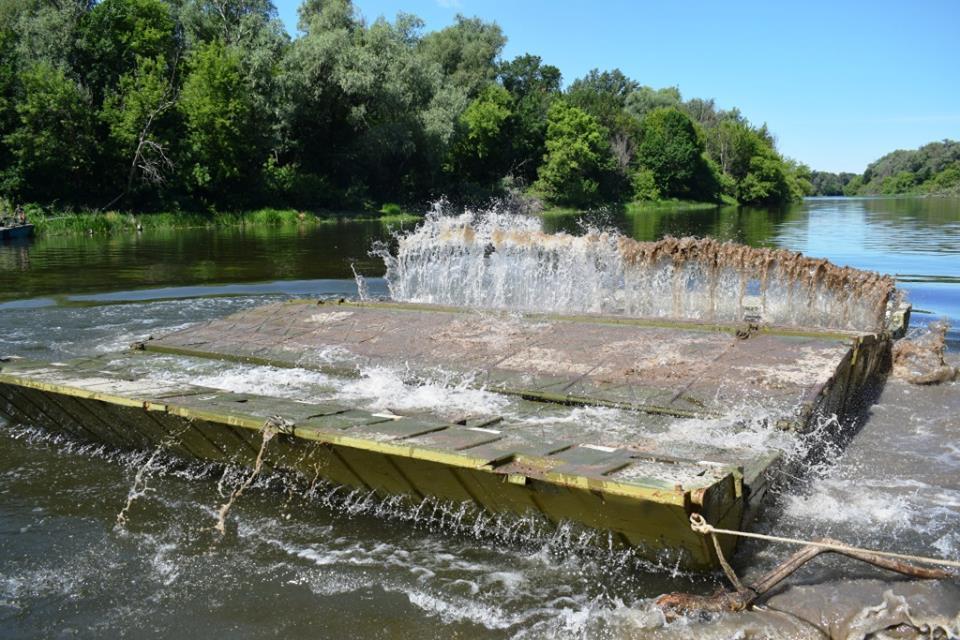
[(933, 169), (211, 104)]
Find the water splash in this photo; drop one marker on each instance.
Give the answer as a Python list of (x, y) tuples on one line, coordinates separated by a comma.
[(493, 259), (139, 488), (270, 429), (363, 291)]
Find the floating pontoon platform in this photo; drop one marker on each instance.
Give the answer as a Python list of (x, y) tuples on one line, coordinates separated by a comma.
[(639, 484)]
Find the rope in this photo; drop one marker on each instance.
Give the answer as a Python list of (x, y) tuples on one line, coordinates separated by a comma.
[(698, 524), (727, 569)]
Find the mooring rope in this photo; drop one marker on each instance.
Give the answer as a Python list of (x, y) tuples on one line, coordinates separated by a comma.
[(698, 524)]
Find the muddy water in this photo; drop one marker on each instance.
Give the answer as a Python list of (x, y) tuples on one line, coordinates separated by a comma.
[(329, 564)]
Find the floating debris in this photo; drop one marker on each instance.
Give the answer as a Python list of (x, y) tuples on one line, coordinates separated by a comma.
[(920, 360)]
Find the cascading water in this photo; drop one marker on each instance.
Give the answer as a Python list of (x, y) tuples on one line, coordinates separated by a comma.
[(493, 259)]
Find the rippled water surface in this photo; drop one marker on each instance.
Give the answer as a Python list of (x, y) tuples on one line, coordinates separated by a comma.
[(326, 563)]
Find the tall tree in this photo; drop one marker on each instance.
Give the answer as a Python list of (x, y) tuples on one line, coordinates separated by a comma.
[(139, 116), (481, 150), (466, 52), (225, 146), (116, 34), (579, 169), (534, 86), (645, 99), (672, 149), (604, 96), (53, 145), (231, 21)]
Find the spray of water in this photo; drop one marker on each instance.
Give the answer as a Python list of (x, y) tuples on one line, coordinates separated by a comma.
[(493, 259), (267, 433), (363, 291), (139, 488)]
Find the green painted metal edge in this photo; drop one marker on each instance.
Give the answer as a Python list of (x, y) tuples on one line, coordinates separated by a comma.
[(636, 490)]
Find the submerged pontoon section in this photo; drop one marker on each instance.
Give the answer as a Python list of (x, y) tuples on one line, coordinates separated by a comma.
[(506, 262), (639, 489), (642, 499)]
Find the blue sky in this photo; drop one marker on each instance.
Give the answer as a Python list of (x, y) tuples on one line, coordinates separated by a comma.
[(839, 83)]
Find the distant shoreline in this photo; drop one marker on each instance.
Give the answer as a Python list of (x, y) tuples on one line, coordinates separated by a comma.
[(111, 222)]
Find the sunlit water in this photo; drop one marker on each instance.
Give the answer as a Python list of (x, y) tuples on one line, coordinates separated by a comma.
[(327, 563)]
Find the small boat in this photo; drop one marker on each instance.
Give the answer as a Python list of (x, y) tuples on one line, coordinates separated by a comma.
[(16, 232)]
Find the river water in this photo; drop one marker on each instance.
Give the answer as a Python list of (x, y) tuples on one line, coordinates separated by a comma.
[(320, 565)]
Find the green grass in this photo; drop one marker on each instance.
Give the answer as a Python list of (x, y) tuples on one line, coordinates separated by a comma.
[(113, 222), (642, 206), (669, 205)]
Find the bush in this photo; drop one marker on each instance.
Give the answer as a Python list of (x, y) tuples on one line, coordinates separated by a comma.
[(579, 169), (391, 209), (644, 185), (672, 149)]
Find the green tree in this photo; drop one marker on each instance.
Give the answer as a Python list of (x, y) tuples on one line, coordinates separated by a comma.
[(732, 144), (854, 186), (53, 144), (139, 117), (947, 181), (467, 52), (367, 108), (481, 150), (672, 149), (766, 181), (799, 179), (534, 86), (230, 21), (579, 169), (116, 34), (903, 182), (645, 99), (47, 32), (225, 146), (753, 172), (603, 95), (526, 75), (9, 84)]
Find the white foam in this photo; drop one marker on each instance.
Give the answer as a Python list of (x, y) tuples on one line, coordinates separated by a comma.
[(380, 388), (451, 610), (496, 259)]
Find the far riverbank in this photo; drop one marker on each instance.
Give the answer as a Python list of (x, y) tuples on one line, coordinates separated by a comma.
[(53, 223), (111, 222)]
